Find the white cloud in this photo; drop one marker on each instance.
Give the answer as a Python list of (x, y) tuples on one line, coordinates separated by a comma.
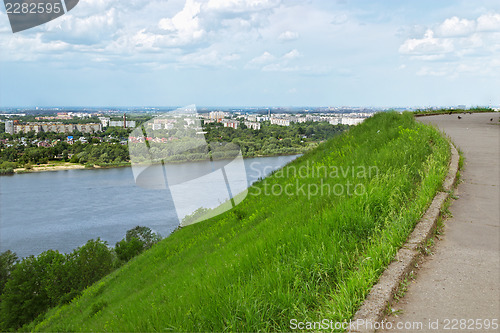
[(94, 29), (264, 58), (457, 46), (184, 27), (269, 63), (426, 45), (208, 58), (238, 6), (293, 54), (288, 36), (455, 27), (489, 22), (33, 47)]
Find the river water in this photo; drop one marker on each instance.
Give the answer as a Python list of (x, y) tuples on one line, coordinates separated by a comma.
[(61, 210)]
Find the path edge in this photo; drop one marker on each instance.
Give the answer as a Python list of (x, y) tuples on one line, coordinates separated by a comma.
[(372, 311)]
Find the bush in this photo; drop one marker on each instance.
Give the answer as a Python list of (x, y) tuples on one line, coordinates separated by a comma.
[(37, 283), (90, 263), (74, 159), (136, 240), (7, 261), (8, 171), (144, 234), (8, 165), (26, 293), (126, 250)]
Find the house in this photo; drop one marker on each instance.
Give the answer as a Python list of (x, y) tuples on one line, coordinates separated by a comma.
[(230, 123)]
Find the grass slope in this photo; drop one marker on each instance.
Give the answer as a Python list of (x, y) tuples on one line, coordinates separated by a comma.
[(275, 258)]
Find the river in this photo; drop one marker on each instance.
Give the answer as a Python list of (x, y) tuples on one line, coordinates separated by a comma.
[(61, 210)]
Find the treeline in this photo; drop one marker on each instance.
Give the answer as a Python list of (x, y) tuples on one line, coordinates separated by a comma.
[(102, 154), (225, 143), (274, 139), (29, 287)]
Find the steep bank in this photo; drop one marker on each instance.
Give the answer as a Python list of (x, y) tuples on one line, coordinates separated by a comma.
[(307, 243)]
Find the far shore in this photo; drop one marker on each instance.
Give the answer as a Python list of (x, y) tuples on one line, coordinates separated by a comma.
[(76, 166), (50, 167), (65, 166)]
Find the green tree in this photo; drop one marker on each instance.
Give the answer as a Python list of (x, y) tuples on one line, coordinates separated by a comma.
[(89, 263), (7, 261), (136, 240), (126, 250), (26, 295), (145, 235)]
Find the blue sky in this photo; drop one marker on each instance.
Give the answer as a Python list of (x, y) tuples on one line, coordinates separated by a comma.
[(256, 53)]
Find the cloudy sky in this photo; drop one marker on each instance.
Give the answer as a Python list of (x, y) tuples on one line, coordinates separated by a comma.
[(256, 53)]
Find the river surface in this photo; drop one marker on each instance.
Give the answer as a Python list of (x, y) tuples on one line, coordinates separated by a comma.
[(61, 210)]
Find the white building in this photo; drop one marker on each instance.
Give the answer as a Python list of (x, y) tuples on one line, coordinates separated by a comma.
[(280, 121), (120, 123), (231, 123), (352, 121), (217, 115), (9, 127), (104, 121), (253, 125)]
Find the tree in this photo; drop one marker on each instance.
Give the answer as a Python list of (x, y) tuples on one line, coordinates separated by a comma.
[(7, 261), (136, 240), (126, 250), (89, 263), (145, 235), (26, 293)]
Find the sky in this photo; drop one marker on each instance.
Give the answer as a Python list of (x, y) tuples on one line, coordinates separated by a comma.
[(372, 53)]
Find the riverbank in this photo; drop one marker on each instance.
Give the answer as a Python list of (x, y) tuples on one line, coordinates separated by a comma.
[(49, 167), (65, 166), (61, 166)]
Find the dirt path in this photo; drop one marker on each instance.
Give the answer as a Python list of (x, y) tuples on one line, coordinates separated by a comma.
[(457, 289)]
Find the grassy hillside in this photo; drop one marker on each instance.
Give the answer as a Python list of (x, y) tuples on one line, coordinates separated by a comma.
[(277, 257)]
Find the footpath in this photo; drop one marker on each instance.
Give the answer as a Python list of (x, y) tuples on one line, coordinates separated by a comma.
[(457, 288)]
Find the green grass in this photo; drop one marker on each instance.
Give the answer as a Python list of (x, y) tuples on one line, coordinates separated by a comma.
[(275, 258), (432, 112)]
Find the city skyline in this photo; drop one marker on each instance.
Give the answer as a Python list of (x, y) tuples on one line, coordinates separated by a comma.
[(256, 53)]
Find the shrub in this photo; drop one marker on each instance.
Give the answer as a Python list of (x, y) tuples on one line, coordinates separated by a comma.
[(136, 240), (7, 261), (89, 263), (126, 250), (27, 293), (37, 283)]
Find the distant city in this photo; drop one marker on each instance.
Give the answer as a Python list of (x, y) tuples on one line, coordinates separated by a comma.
[(231, 109), (58, 119)]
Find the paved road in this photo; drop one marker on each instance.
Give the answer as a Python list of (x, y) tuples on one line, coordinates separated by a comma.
[(462, 279)]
